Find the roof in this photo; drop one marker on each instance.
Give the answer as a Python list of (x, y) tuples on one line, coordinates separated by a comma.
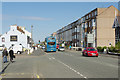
[(19, 29)]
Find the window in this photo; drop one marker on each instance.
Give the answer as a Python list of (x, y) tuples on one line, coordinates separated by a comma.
[(86, 17), (89, 15), (92, 49), (92, 14), (93, 22), (13, 38), (3, 39), (89, 24), (95, 12), (51, 43)]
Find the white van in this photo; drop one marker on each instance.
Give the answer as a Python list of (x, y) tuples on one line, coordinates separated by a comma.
[(17, 49), (1, 48)]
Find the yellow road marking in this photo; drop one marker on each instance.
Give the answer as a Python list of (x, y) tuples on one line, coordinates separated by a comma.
[(38, 76), (2, 74), (22, 73)]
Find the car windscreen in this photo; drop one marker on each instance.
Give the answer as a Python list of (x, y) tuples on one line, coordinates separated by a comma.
[(92, 49), (51, 43)]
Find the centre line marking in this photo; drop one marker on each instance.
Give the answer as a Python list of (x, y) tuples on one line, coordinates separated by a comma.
[(72, 69)]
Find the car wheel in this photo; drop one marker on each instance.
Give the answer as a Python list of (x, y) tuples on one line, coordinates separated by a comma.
[(18, 52), (87, 54), (83, 54)]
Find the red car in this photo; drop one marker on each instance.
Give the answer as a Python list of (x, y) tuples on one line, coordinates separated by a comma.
[(90, 51), (57, 46)]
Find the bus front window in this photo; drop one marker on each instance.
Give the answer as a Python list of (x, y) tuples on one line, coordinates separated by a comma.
[(51, 43)]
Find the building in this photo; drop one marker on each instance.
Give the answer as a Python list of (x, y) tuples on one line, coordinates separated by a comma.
[(16, 36), (93, 29), (116, 25), (55, 35)]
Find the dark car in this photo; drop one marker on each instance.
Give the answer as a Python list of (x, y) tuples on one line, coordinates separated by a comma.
[(90, 51)]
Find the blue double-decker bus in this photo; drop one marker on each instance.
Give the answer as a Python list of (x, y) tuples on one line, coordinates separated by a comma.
[(50, 44)]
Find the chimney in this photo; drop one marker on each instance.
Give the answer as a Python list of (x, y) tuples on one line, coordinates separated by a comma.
[(13, 27)]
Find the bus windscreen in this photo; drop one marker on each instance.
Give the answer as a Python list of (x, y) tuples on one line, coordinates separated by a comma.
[(51, 43)]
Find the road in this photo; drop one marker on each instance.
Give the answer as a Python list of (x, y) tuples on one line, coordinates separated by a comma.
[(66, 64)]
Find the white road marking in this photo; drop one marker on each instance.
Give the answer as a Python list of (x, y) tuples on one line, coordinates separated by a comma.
[(50, 58), (81, 74), (69, 67), (85, 77), (72, 69), (78, 73), (53, 58)]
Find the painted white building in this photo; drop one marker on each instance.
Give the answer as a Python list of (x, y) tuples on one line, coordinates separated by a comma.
[(16, 36)]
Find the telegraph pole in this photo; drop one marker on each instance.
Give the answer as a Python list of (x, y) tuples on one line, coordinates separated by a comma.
[(31, 35), (31, 31)]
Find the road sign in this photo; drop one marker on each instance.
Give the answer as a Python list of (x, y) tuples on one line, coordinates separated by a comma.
[(90, 38)]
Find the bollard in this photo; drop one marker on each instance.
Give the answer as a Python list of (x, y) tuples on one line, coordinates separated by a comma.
[(28, 51)]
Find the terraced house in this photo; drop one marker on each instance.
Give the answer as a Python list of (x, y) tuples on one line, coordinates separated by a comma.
[(93, 29)]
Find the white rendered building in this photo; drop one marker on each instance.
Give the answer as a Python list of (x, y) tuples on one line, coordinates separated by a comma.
[(16, 36)]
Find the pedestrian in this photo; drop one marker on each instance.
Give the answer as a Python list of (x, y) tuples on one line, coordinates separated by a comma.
[(11, 53), (70, 47), (5, 54)]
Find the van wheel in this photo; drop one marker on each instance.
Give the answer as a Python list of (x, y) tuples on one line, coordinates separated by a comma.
[(18, 52)]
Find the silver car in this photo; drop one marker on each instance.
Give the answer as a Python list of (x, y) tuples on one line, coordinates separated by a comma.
[(61, 49)]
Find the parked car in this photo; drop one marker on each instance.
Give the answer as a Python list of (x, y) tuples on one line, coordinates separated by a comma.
[(61, 49), (57, 46), (90, 51), (43, 47), (1, 48)]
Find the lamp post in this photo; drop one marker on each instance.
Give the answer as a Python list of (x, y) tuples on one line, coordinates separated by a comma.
[(31, 30), (31, 35)]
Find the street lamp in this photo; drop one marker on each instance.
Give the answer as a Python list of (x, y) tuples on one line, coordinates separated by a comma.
[(31, 30)]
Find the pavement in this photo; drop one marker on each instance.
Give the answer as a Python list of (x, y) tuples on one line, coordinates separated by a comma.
[(0, 61), (67, 64), (3, 66)]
